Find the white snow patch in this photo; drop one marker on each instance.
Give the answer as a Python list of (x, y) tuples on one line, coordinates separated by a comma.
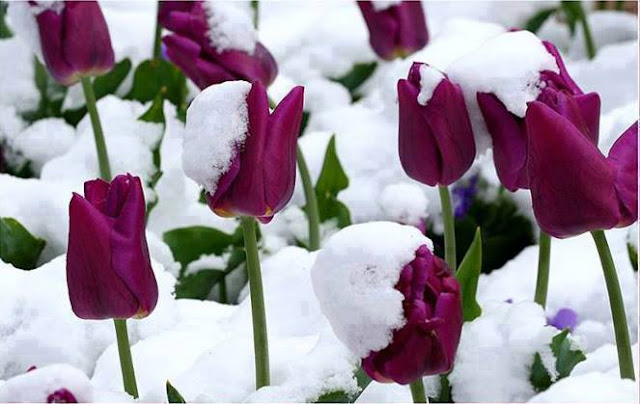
[(207, 261), (23, 22), (354, 278), (44, 140), (404, 202), (430, 77), (590, 387), (381, 5), (231, 25), (17, 84), (217, 124), (35, 386)]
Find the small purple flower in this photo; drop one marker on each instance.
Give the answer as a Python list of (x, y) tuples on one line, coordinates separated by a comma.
[(464, 195), (61, 396), (564, 318)]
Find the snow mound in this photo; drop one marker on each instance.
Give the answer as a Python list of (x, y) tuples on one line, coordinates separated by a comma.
[(354, 277), (16, 73), (590, 387), (404, 203), (44, 140), (230, 25), (217, 124), (36, 385), (23, 22)]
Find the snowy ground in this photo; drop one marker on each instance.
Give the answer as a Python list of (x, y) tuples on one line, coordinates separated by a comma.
[(203, 347)]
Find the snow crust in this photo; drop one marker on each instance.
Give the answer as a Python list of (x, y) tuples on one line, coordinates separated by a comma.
[(231, 25), (430, 77), (354, 278), (217, 125)]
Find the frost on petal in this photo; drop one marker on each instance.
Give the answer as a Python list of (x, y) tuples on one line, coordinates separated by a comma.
[(354, 279), (217, 123)]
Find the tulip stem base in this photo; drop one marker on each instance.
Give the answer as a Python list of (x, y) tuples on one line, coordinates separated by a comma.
[(449, 228), (620, 327), (126, 363), (260, 342), (417, 391), (312, 203), (98, 135), (542, 282)]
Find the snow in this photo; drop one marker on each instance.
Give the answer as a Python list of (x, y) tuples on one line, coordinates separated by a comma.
[(23, 22), (430, 77), (506, 336), (405, 203), (231, 25), (219, 112), (590, 387), (354, 278), (44, 140), (632, 237), (381, 5), (207, 261), (36, 385), (605, 360), (17, 86)]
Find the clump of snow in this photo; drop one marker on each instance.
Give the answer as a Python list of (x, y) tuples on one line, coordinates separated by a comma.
[(590, 387), (217, 125), (231, 25), (381, 5), (354, 278), (430, 77), (23, 22), (603, 359), (506, 336), (17, 84), (36, 385), (44, 140), (207, 261), (404, 203)]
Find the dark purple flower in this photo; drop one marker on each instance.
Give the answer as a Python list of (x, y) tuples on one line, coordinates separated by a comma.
[(396, 30), (509, 132), (436, 142), (623, 157), (262, 174), (109, 272), (191, 48), (564, 318), (463, 196), (61, 396), (75, 40), (427, 343)]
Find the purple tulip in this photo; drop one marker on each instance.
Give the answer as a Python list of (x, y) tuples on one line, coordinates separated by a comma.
[(572, 183), (623, 157), (192, 49), (397, 30), (436, 142), (509, 132), (262, 174), (109, 272), (564, 318), (61, 396), (427, 343), (75, 40)]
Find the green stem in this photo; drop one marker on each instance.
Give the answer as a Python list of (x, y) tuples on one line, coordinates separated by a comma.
[(157, 39), (542, 282), (417, 391), (255, 6), (101, 146), (260, 344), (449, 228), (621, 329), (126, 364), (312, 203), (588, 38)]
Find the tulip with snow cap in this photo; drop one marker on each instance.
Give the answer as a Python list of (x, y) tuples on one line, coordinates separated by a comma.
[(396, 28), (213, 42), (390, 301)]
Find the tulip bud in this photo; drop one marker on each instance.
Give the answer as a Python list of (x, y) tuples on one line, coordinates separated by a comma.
[(74, 39), (214, 42), (109, 272), (390, 300), (623, 157), (509, 132), (396, 28), (436, 142), (244, 156)]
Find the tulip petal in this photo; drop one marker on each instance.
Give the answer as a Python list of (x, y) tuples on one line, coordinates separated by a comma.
[(589, 105), (571, 182), (95, 192), (623, 158), (383, 29), (259, 66), (184, 53), (412, 34), (50, 28)]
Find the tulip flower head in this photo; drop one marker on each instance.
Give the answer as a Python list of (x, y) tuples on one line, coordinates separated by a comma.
[(243, 155), (436, 141), (73, 38), (109, 272), (213, 42), (396, 28), (390, 300)]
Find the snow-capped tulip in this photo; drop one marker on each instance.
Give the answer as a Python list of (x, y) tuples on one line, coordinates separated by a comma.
[(509, 132), (74, 39), (572, 183), (396, 28), (247, 164), (109, 272), (623, 157), (206, 52), (390, 300), (436, 142)]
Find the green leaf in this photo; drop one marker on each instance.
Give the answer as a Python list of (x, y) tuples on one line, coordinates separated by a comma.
[(573, 12), (173, 395), (331, 181), (342, 397), (199, 284), (534, 23), (156, 76), (188, 243), (633, 256), (566, 359), (155, 114), (5, 31), (17, 246), (356, 76), (467, 275)]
